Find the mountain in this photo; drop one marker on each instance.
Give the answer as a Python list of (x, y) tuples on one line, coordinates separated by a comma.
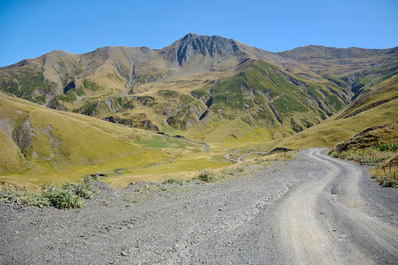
[(204, 86), (115, 110)]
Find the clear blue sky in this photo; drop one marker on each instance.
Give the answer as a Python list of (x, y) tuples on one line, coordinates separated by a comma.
[(30, 28)]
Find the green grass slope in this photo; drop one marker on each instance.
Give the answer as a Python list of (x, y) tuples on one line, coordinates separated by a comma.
[(333, 131), (378, 146), (262, 102), (40, 145), (42, 134)]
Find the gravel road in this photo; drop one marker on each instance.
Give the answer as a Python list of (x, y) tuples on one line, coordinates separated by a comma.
[(311, 210)]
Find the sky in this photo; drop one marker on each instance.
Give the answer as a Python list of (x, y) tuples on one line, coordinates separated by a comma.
[(30, 28)]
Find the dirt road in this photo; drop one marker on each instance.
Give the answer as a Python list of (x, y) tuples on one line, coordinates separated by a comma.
[(333, 220), (311, 210)]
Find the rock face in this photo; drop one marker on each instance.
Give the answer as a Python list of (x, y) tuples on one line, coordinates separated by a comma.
[(23, 135), (191, 46), (134, 121)]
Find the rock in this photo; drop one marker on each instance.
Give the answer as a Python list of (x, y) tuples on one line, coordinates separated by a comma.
[(280, 150), (23, 135), (134, 120)]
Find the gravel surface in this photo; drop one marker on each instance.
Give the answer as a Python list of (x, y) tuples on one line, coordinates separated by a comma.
[(311, 210)]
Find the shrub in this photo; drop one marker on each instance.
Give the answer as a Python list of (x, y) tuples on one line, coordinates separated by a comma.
[(383, 156), (67, 196), (6, 196), (173, 181), (63, 198), (387, 180), (393, 147), (23, 197), (32, 198), (82, 189), (207, 176)]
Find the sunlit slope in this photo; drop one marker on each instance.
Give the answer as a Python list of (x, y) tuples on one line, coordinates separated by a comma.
[(373, 108), (261, 102), (39, 145), (385, 90), (35, 134)]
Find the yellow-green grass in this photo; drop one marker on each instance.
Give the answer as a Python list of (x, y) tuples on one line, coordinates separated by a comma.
[(10, 156), (229, 133), (88, 145), (377, 146), (385, 166), (332, 131), (45, 172), (383, 92), (149, 165), (140, 167), (59, 139), (184, 167)]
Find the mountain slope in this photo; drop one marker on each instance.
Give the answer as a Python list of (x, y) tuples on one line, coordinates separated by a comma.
[(201, 84), (58, 77), (372, 108), (35, 134), (38, 144), (338, 61)]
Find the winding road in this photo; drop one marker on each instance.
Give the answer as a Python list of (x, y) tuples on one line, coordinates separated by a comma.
[(239, 158), (312, 210), (329, 220)]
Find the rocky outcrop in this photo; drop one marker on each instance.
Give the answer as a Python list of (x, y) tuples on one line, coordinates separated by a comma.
[(133, 120), (382, 134), (191, 45), (55, 104), (69, 86), (189, 115), (23, 135), (102, 108), (146, 100)]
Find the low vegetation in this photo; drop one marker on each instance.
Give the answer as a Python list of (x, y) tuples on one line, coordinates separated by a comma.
[(368, 155), (68, 196), (383, 158), (217, 175), (208, 176), (173, 181), (377, 146), (385, 163), (386, 174)]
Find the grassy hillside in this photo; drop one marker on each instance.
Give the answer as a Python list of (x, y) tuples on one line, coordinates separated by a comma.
[(39, 145), (333, 131), (261, 102), (385, 90), (377, 146)]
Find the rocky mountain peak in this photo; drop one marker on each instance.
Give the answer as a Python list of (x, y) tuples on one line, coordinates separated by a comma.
[(191, 45)]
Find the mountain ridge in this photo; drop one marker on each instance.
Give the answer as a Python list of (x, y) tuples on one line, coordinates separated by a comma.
[(133, 85), (192, 34)]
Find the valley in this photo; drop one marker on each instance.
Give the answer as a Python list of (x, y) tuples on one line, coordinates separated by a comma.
[(202, 89)]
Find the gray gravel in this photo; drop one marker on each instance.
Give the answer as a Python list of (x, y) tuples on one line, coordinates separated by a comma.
[(311, 210)]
